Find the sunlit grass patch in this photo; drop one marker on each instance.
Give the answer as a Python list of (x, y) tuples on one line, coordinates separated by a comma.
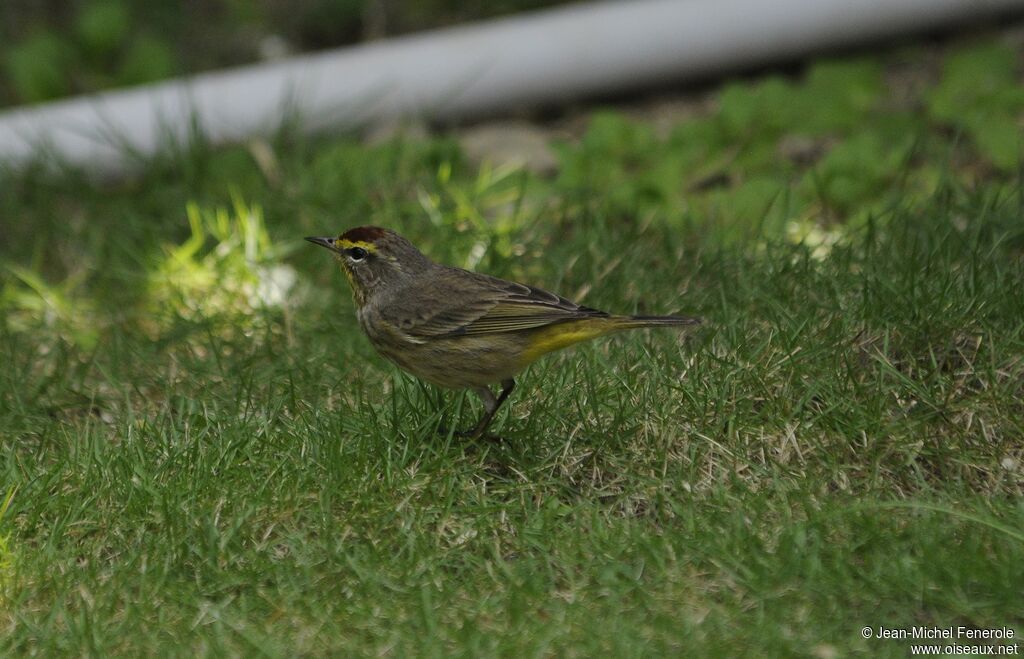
[(816, 238), (228, 271), (31, 305)]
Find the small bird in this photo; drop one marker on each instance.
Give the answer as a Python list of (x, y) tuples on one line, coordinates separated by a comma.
[(459, 329)]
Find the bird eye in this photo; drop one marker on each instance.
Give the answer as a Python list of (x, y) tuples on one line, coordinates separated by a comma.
[(357, 253)]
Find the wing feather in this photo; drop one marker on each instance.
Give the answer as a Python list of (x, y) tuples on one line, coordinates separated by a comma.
[(484, 305)]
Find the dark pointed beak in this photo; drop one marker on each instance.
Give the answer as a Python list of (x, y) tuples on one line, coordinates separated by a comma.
[(323, 242)]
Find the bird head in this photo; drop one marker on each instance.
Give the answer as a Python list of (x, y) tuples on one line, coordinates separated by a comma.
[(374, 259)]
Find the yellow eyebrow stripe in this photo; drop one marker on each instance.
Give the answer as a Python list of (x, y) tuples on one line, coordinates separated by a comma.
[(349, 244)]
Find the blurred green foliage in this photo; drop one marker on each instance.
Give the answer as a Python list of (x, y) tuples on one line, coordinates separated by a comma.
[(52, 49), (87, 47), (980, 95), (36, 68), (59, 48), (730, 166), (832, 144), (147, 59), (103, 27)]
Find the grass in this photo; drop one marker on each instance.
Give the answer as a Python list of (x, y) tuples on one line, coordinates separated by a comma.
[(201, 454)]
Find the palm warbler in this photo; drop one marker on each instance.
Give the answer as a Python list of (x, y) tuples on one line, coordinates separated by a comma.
[(459, 329)]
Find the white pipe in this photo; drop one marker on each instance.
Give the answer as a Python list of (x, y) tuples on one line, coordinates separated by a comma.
[(545, 57)]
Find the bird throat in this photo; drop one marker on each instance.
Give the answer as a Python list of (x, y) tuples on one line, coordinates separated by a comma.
[(358, 294)]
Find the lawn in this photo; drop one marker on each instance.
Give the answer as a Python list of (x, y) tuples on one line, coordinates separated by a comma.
[(201, 453)]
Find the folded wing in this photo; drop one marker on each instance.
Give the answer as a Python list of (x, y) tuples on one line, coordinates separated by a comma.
[(484, 305)]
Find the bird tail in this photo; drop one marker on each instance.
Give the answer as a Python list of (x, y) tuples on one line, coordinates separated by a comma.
[(632, 322), (561, 335)]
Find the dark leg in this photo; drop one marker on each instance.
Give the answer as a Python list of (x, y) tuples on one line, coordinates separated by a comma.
[(491, 405)]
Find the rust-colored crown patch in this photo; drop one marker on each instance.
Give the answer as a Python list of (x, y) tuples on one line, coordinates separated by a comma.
[(363, 235)]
